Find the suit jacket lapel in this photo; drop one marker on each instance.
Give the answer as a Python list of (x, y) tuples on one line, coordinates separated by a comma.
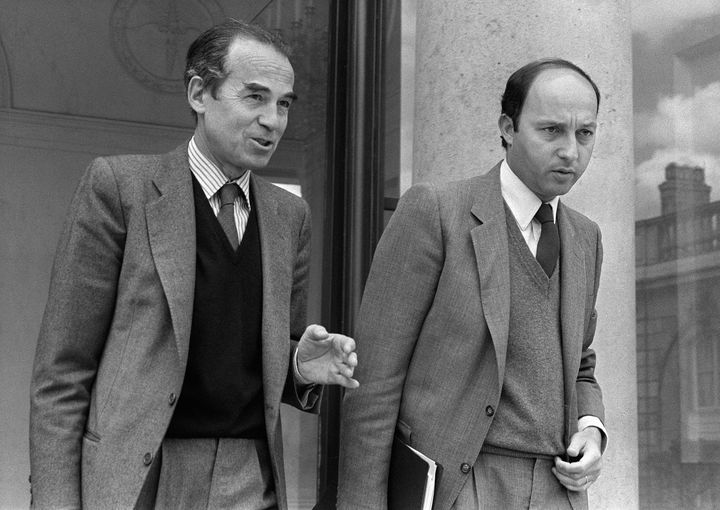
[(171, 230), (491, 251), (572, 303), (276, 283)]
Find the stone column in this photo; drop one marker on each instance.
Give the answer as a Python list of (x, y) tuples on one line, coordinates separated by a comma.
[(465, 51)]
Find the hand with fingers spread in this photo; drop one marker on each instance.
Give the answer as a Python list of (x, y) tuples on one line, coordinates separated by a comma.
[(326, 358), (580, 474)]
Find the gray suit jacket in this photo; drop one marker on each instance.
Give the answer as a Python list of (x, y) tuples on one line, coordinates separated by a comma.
[(432, 335), (114, 341)]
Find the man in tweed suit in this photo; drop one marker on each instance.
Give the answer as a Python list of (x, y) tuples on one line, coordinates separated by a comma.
[(474, 351), (175, 324)]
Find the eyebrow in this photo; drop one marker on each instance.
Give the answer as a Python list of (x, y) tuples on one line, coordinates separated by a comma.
[(257, 87), (548, 120)]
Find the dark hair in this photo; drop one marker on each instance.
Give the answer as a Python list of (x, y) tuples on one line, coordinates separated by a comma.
[(520, 81), (207, 54)]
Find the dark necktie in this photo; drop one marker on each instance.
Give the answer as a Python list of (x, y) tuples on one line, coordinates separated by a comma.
[(548, 247), (226, 215)]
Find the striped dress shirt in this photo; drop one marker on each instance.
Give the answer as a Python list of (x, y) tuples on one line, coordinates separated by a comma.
[(211, 179)]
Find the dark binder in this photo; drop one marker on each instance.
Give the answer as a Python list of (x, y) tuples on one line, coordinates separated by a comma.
[(412, 479)]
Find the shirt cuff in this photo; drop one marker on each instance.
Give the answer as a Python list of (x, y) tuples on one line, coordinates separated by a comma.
[(593, 421), (307, 393), (296, 372)]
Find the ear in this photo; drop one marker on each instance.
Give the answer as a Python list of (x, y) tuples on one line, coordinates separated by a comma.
[(507, 129), (196, 94)]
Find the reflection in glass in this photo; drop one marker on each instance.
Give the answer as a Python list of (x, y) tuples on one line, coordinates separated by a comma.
[(300, 166), (676, 59)]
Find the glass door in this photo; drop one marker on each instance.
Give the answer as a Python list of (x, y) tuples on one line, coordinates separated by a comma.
[(301, 165), (59, 64)]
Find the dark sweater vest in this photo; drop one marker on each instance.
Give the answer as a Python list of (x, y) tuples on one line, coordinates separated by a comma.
[(222, 394), (529, 420)]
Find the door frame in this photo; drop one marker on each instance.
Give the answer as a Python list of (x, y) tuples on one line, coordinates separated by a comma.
[(354, 211)]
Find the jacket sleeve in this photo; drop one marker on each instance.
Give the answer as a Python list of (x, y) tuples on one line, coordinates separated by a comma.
[(72, 336), (398, 294), (589, 395), (294, 394)]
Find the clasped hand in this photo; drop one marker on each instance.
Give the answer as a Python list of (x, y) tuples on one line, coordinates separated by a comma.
[(579, 475), (327, 358)]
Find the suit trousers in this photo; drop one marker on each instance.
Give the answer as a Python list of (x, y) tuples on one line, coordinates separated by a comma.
[(210, 474), (510, 483)]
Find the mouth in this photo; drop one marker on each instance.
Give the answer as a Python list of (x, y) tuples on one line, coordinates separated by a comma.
[(265, 143)]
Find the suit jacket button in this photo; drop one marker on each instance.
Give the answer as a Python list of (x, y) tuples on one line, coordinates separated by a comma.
[(489, 410), (465, 468), (147, 459), (171, 399)]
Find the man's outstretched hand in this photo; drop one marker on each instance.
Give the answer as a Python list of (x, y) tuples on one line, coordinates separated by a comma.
[(327, 358)]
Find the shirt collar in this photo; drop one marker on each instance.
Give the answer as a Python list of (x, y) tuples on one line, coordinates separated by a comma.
[(523, 203), (210, 177)]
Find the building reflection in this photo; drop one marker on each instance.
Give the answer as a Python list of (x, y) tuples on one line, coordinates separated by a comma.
[(678, 345)]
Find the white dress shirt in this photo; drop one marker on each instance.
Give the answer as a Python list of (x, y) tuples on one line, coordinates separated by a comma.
[(523, 203)]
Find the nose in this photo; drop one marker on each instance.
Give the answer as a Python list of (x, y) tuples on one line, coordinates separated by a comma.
[(569, 148), (271, 118)]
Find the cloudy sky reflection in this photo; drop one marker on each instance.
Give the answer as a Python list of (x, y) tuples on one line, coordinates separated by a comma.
[(676, 64)]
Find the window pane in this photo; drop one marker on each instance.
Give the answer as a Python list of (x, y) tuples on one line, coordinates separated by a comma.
[(676, 59), (300, 165)]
